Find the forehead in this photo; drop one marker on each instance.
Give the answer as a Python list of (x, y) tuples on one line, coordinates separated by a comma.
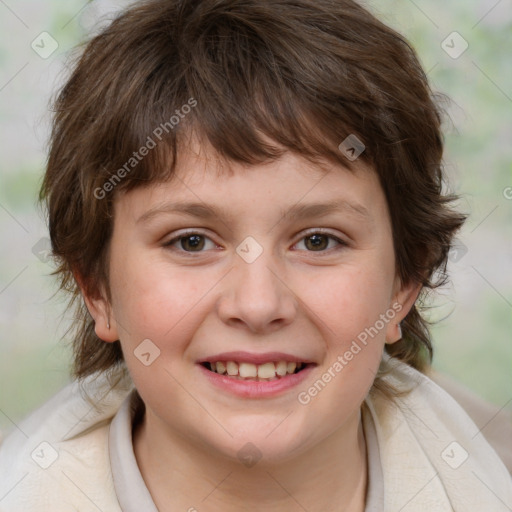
[(207, 185)]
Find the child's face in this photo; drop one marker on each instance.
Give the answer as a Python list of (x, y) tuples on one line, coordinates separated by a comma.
[(199, 299)]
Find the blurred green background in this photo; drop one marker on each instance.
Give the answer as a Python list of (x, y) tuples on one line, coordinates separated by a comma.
[(473, 342)]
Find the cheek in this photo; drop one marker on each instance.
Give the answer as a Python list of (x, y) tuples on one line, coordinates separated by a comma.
[(350, 317), (348, 301), (156, 301), (166, 307)]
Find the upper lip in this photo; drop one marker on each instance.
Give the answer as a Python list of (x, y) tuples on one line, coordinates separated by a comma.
[(251, 357)]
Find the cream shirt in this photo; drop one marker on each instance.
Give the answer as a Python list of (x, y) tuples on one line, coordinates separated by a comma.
[(433, 457)]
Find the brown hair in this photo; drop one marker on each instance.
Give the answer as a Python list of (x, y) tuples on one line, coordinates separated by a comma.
[(303, 74)]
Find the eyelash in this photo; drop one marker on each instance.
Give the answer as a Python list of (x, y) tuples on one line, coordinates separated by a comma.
[(341, 243)]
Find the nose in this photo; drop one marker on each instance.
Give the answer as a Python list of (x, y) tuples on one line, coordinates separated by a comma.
[(256, 298)]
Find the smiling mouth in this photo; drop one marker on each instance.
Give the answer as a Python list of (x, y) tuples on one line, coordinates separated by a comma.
[(265, 372)]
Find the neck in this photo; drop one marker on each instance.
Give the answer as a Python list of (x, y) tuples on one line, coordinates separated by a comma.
[(181, 475)]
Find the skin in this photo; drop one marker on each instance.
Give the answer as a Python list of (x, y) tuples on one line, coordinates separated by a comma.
[(292, 299)]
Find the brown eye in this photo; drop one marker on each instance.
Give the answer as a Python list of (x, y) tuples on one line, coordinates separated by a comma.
[(317, 242), (321, 242), (192, 243)]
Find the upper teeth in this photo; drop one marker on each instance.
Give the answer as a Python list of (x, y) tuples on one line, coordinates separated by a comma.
[(262, 371)]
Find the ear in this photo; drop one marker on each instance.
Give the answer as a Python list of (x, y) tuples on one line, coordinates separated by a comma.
[(105, 325), (403, 300)]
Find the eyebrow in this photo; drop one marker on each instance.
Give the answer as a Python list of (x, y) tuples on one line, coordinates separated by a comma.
[(298, 211)]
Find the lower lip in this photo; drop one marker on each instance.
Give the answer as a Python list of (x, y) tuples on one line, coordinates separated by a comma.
[(256, 389)]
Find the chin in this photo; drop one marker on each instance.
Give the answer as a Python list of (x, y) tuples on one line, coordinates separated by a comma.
[(267, 441)]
